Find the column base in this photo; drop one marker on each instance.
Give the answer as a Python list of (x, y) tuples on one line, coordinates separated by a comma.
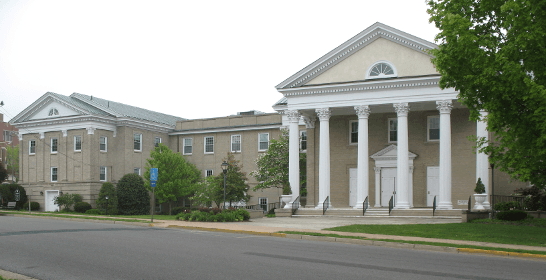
[(400, 207), (444, 206), (377, 205), (360, 205), (321, 206)]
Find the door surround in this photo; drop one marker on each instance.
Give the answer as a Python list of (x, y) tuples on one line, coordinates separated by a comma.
[(49, 197)]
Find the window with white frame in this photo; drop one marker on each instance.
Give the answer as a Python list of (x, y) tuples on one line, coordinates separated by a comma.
[(136, 170), (53, 174), (263, 203), (235, 143), (393, 128), (263, 141), (209, 144), (103, 144), (208, 172), (157, 141), (77, 143), (102, 173), (137, 142), (303, 140), (187, 146), (354, 132), (54, 145), (31, 147), (433, 131), (7, 136), (381, 69)]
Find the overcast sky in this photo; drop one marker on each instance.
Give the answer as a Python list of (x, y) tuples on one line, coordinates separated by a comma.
[(192, 59)]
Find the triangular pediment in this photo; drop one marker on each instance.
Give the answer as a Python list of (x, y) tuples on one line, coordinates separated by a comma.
[(390, 153), (353, 59), (53, 109)]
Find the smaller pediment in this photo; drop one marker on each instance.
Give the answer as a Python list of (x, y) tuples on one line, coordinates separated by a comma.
[(390, 153), (53, 109)]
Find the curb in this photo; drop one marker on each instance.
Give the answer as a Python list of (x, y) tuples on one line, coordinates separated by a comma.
[(500, 253), (84, 220), (275, 234)]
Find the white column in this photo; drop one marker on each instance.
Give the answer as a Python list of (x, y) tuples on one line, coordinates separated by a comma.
[(482, 160), (445, 107), (362, 179), (410, 186), (402, 162), (377, 186), (324, 155), (293, 154)]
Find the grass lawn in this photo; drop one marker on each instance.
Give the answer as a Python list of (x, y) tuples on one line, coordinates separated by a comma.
[(481, 230)]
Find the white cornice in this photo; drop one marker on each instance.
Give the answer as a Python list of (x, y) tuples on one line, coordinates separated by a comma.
[(225, 129), (155, 127)]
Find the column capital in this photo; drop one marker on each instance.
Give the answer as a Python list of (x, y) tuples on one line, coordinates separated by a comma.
[(65, 132), (401, 109), (42, 135), (20, 135), (323, 113), (363, 111), (293, 115), (309, 122), (444, 106), (377, 170), (91, 130)]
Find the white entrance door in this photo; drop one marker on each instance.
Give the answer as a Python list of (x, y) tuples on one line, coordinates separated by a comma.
[(50, 200), (388, 185), (433, 184), (352, 186)]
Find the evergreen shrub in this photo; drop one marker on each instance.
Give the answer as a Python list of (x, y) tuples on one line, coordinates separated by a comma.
[(133, 197), (512, 215), (82, 207), (34, 206)]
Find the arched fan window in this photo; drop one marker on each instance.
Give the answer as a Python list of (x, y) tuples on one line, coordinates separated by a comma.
[(53, 112), (381, 69)]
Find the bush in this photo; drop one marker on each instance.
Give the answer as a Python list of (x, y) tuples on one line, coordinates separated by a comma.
[(82, 207), (66, 200), (507, 206), (108, 189), (133, 198), (7, 191), (34, 206), (512, 215), (176, 210), (77, 198), (94, 212), (480, 187), (214, 215)]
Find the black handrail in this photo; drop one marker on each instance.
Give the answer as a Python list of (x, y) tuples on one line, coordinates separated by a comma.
[(295, 205), (391, 204), (470, 203), (325, 204), (434, 206), (364, 206)]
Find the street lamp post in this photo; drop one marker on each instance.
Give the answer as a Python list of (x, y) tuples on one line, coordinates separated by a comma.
[(106, 197), (224, 169)]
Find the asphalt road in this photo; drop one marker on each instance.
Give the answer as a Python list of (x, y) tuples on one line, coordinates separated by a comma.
[(54, 249)]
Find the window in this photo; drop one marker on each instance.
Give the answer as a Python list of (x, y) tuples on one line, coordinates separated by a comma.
[(31, 147), (188, 146), (235, 143), (53, 112), (263, 203), (102, 173), (103, 143), (393, 127), (263, 141), (7, 136), (354, 132), (137, 146), (54, 143), (157, 141), (53, 174), (381, 69), (303, 140), (209, 145), (433, 131), (77, 143), (208, 172), (136, 171)]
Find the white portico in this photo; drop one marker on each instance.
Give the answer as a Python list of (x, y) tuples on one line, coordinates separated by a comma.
[(382, 86)]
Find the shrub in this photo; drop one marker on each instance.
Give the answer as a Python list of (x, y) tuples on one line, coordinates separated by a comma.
[(507, 206), (34, 206), (94, 212), (77, 198), (82, 207), (65, 201), (271, 211), (8, 194), (108, 189), (176, 210), (512, 215), (480, 187), (133, 198)]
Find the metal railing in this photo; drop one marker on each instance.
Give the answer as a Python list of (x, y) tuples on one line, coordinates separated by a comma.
[(295, 205), (391, 204), (364, 206), (434, 206), (469, 203), (273, 205), (325, 205), (506, 198)]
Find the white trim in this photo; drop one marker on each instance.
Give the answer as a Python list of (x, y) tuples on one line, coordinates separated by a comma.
[(30, 147), (184, 146), (75, 137), (226, 129), (140, 142), (56, 174), (384, 76), (259, 134), (240, 143), (105, 143), (211, 172), (155, 140), (389, 130), (105, 173), (51, 145), (136, 169), (351, 132), (205, 144), (428, 128)]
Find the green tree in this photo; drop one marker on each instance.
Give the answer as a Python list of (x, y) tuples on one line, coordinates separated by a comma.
[(176, 176), (12, 160), (272, 166), (7, 192), (3, 173), (492, 52), (133, 197), (65, 201), (108, 189)]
